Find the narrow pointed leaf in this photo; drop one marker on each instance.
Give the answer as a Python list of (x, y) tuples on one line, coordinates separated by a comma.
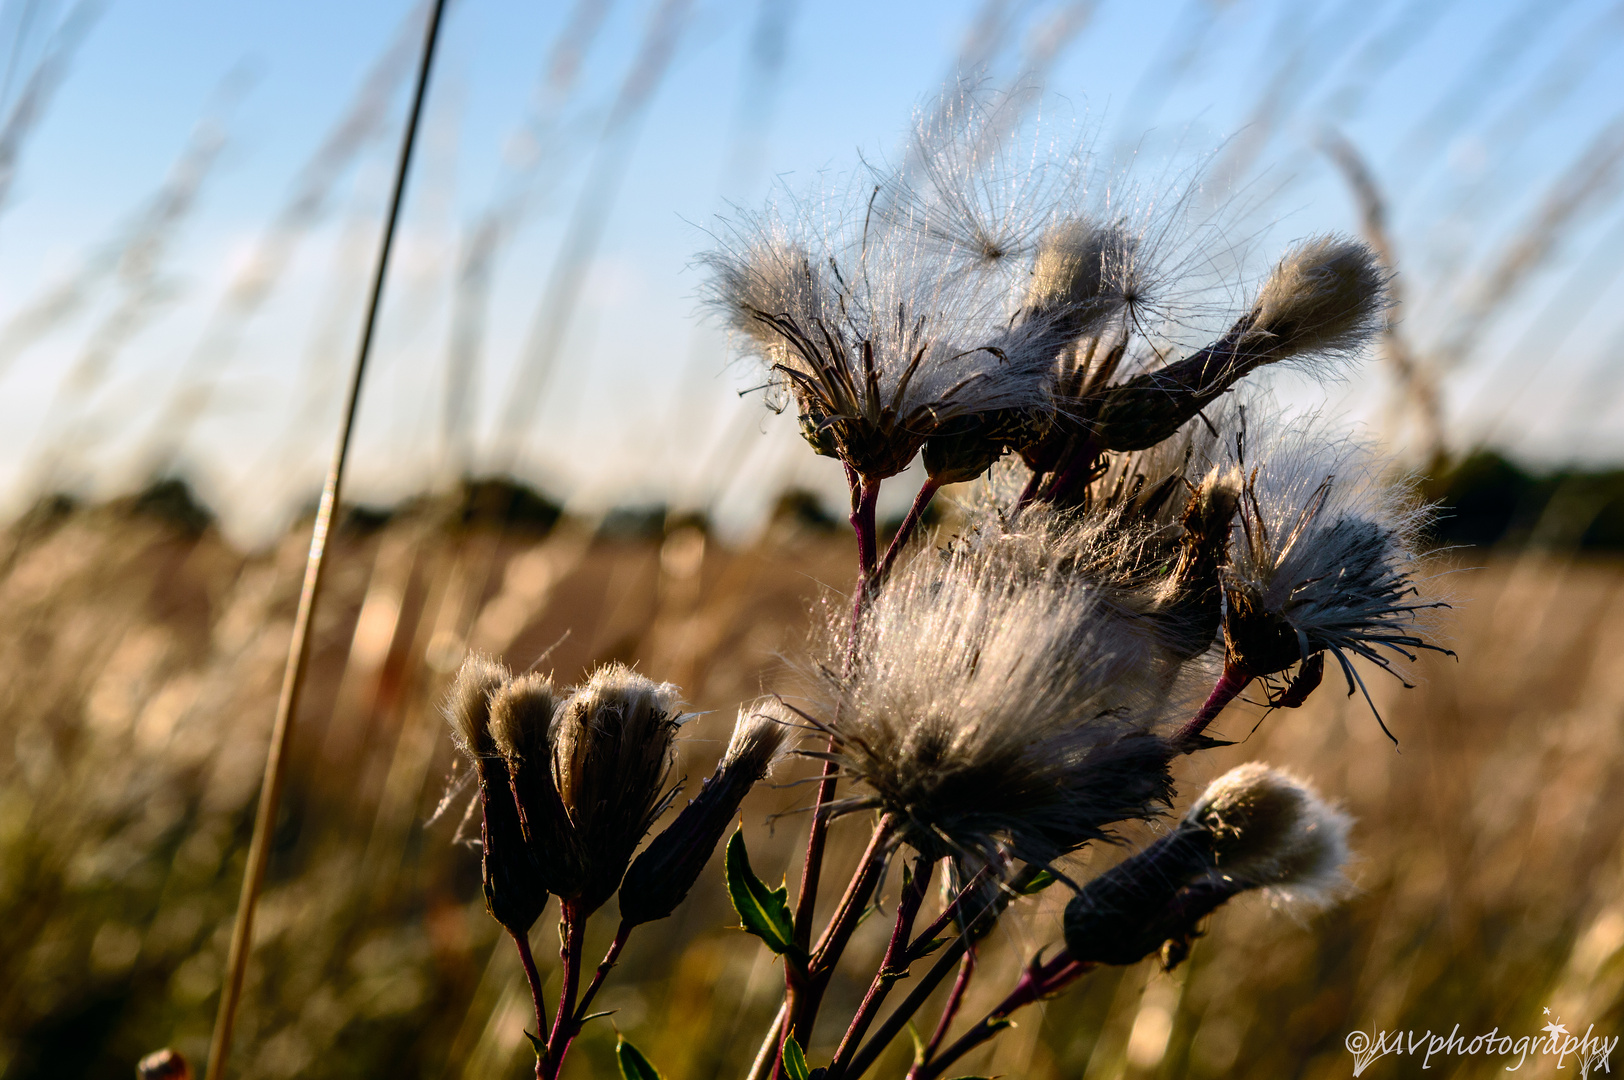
[(762, 911), (633, 1065), (794, 1061), (1040, 881)]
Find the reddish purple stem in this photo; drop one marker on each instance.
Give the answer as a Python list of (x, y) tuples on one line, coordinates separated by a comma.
[(522, 942), (905, 531), (1229, 686)]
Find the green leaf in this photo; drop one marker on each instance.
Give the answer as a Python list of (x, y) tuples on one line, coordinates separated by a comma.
[(919, 1043), (633, 1065), (538, 1045), (764, 912), (1040, 881), (795, 1061)]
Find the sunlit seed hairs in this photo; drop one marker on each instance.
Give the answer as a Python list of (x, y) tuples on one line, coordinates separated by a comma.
[(1188, 602), (467, 705), (662, 875), (1253, 828), (999, 705), (1322, 560), (1271, 830), (515, 892), (614, 753), (876, 346), (1326, 297), (523, 729)]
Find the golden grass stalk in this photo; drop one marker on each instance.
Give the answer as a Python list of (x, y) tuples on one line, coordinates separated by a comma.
[(293, 676)]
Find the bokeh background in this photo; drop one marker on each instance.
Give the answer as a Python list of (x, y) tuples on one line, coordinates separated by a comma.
[(190, 196)]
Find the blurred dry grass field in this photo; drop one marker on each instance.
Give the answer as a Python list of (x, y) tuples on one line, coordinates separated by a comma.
[(139, 664)]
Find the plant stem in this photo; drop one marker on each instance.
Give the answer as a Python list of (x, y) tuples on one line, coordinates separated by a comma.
[(905, 531), (537, 994), (864, 495), (572, 934), (293, 675), (608, 962), (949, 914), (972, 928), (955, 998), (893, 966), (767, 1056), (572, 1026), (1228, 687), (805, 1000), (866, 498), (1038, 982)]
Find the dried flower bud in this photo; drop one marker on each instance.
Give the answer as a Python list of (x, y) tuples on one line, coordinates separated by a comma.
[(967, 447), (1189, 603), (164, 1064), (523, 730), (614, 752), (1270, 830), (1253, 828), (1083, 272), (1325, 297), (660, 877), (514, 892)]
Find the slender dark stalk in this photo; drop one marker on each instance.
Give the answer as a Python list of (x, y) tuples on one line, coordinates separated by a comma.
[(1228, 687), (862, 523), (953, 912), (955, 999), (973, 929), (805, 1000), (1039, 981), (565, 1036), (893, 966), (572, 936), (905, 531), (293, 675), (767, 1057), (537, 993)]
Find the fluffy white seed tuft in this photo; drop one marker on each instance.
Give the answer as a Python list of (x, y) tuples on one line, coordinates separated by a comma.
[(1273, 831)]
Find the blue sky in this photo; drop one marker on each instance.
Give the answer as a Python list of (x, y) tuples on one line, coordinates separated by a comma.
[(1468, 114)]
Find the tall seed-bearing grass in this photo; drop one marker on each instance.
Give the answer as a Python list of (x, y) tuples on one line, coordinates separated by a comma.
[(994, 704)]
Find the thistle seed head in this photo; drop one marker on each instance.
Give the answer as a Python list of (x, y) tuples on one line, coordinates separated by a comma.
[(662, 875), (524, 731), (515, 891), (759, 736), (1271, 830), (1000, 705), (1322, 560), (614, 753), (1085, 270), (467, 705), (1253, 828), (1327, 296)]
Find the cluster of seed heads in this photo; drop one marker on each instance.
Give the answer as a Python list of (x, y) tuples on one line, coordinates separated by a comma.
[(1141, 544)]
